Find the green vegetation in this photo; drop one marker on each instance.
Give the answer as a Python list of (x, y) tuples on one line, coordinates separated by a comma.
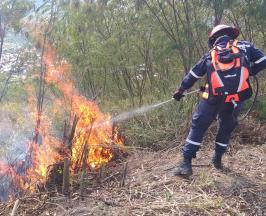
[(125, 54), (131, 53)]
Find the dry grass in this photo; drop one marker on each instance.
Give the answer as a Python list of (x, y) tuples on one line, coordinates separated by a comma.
[(152, 190)]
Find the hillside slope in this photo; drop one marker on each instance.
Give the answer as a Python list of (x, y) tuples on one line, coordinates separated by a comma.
[(151, 189)]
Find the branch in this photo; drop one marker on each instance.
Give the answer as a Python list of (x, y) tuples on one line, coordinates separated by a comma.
[(172, 37), (14, 210), (17, 66)]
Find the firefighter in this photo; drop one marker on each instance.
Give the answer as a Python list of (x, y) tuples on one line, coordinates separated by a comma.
[(228, 65)]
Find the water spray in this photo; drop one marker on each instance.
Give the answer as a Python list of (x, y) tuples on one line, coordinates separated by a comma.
[(139, 111), (144, 109)]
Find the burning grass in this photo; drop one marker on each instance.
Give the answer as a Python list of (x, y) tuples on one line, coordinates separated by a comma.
[(151, 189), (87, 147), (89, 143)]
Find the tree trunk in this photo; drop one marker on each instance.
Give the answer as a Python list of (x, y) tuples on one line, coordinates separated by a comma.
[(218, 12), (1, 44)]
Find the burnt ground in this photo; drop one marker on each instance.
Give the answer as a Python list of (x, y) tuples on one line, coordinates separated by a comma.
[(151, 189)]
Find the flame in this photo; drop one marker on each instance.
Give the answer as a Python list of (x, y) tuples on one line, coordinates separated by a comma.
[(91, 146), (98, 141)]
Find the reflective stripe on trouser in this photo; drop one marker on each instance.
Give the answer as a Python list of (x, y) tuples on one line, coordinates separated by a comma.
[(202, 118), (227, 124)]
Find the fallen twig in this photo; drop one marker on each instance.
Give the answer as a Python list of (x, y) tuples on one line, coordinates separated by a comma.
[(109, 177), (14, 210)]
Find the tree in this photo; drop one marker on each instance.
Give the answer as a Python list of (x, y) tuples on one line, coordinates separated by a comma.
[(11, 12)]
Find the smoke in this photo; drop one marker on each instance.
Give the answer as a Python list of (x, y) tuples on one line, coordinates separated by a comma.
[(16, 132)]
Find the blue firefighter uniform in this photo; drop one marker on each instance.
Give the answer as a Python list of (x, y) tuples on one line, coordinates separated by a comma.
[(206, 112)]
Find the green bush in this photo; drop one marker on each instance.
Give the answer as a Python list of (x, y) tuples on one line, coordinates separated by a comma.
[(159, 127), (260, 109)]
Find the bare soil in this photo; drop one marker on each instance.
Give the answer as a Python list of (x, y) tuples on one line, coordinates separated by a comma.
[(151, 189)]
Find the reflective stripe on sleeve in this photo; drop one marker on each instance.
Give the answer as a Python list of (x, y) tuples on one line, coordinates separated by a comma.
[(221, 144), (194, 75), (260, 60), (241, 79), (193, 142)]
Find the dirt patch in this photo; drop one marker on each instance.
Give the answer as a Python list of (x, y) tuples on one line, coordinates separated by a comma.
[(151, 189)]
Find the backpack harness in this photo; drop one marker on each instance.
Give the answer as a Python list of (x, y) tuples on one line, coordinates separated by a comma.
[(228, 75)]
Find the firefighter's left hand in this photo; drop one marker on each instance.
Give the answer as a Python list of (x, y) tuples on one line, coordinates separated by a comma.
[(178, 94)]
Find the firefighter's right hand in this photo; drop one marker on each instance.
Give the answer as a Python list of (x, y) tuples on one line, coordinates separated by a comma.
[(178, 94)]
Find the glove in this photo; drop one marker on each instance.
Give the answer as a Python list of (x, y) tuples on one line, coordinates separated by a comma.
[(178, 94)]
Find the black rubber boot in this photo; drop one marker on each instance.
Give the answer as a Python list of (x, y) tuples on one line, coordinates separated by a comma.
[(184, 169), (217, 160)]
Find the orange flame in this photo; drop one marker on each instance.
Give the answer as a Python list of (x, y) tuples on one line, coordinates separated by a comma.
[(46, 150), (99, 141)]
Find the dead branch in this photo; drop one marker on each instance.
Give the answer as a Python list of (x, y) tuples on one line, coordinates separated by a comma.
[(83, 158), (65, 188), (110, 177), (124, 175), (84, 173), (72, 133), (14, 210)]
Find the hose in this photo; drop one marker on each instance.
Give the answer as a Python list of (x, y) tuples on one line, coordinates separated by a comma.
[(256, 91)]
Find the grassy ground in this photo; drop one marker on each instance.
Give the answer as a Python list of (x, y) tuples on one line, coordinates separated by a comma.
[(151, 189)]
